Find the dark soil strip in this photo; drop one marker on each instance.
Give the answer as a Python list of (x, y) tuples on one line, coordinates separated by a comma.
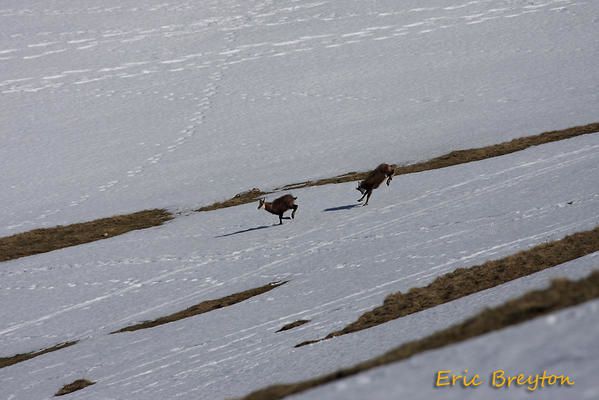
[(295, 324), (465, 281), (44, 240), (563, 293), (239, 199), (48, 239), (73, 387), (203, 307), (447, 160), (463, 156), (8, 361)]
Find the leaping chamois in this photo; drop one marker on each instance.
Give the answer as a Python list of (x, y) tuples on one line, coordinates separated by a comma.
[(374, 179), (280, 206)]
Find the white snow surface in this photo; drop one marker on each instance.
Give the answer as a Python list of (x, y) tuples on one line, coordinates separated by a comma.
[(549, 345), (340, 260), (125, 105), (117, 106)]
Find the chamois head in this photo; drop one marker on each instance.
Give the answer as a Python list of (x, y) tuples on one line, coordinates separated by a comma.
[(260, 203)]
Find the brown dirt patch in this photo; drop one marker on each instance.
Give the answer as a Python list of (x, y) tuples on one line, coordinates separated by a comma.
[(294, 324), (203, 307), (465, 281), (8, 361), (73, 387), (563, 293), (239, 199), (48, 239)]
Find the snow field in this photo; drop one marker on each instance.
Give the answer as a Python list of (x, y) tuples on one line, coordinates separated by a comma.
[(121, 107), (339, 263)]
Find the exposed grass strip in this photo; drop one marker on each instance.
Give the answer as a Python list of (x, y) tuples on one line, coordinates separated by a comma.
[(462, 156), (239, 199), (561, 294), (294, 324), (44, 240), (447, 160), (8, 361), (465, 281), (203, 307), (48, 239), (75, 386)]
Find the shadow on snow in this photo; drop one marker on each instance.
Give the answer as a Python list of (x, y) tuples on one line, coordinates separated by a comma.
[(245, 230), (341, 208)]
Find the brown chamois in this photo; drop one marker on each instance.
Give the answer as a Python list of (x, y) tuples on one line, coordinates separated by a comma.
[(280, 206), (374, 179)]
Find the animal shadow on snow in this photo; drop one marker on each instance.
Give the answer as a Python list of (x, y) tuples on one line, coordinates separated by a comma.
[(245, 230), (341, 208)]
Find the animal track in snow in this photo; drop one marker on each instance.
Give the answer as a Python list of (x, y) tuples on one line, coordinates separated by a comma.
[(44, 54), (236, 54), (43, 44)]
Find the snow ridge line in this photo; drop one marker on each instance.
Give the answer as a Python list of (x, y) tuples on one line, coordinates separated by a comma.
[(365, 293), (203, 307), (55, 238), (562, 294), (466, 281), (43, 240), (553, 163), (447, 160)]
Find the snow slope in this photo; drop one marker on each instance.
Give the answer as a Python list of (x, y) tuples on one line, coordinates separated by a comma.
[(129, 105), (339, 260), (554, 349)]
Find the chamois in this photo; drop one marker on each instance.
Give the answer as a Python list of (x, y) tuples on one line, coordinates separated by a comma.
[(280, 206), (374, 179)]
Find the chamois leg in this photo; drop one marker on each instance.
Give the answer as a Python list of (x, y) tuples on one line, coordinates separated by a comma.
[(294, 210), (281, 218), (367, 198), (364, 195)]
